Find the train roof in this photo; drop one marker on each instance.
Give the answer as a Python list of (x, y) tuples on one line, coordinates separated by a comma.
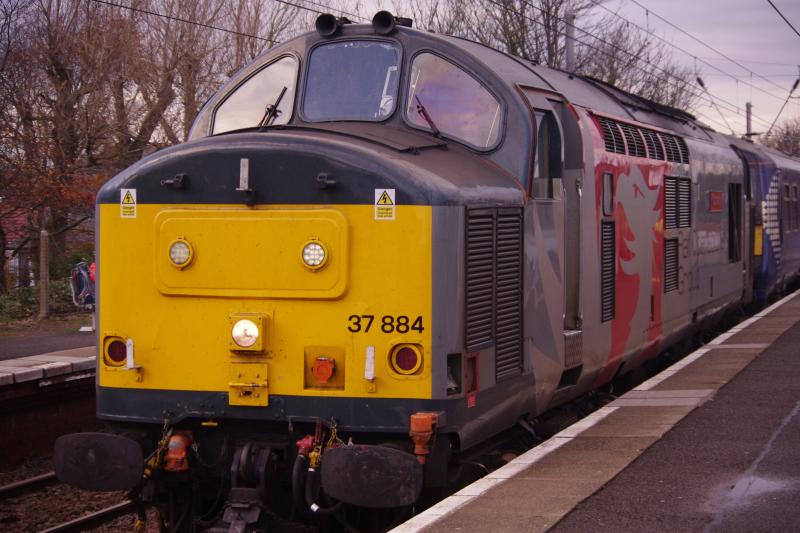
[(584, 91), (513, 72)]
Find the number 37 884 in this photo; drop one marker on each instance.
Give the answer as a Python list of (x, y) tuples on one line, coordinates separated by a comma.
[(386, 323)]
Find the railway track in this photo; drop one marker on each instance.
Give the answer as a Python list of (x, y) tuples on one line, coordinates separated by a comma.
[(91, 520), (95, 519), (26, 486)]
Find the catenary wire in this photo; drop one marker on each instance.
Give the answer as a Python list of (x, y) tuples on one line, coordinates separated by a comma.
[(730, 106), (676, 47), (784, 17), (701, 95), (721, 54), (340, 11), (185, 21)]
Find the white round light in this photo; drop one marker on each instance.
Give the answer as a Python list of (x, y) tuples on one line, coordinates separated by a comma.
[(245, 333), (180, 252), (313, 254)]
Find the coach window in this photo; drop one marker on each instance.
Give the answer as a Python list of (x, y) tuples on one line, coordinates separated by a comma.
[(246, 106), (444, 98), (547, 166)]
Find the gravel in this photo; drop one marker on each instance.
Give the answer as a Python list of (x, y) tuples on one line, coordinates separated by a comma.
[(58, 504)]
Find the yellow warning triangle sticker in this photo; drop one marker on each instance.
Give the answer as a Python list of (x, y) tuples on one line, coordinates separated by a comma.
[(128, 199), (384, 199)]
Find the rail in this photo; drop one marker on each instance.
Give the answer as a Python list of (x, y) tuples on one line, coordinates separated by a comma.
[(96, 519)]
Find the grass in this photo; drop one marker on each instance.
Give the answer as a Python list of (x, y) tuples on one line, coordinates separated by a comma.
[(55, 325)]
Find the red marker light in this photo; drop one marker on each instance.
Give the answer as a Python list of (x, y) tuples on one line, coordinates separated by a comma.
[(406, 359), (117, 351)]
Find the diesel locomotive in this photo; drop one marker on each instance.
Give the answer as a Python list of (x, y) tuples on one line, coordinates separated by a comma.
[(381, 247)]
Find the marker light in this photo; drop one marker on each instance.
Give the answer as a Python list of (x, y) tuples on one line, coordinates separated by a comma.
[(245, 333), (314, 255), (405, 359), (117, 351), (180, 253)]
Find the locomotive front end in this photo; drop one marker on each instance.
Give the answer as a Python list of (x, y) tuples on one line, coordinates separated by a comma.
[(281, 300)]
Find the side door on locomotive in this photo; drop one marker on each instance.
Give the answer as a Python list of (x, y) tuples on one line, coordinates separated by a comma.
[(553, 323)]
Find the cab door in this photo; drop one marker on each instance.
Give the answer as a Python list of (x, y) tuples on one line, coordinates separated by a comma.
[(552, 245)]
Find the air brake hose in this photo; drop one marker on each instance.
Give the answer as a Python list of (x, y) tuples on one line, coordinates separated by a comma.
[(298, 480), (312, 483)]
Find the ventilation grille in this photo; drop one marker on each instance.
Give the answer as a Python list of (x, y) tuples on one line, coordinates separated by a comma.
[(573, 348), (642, 142), (684, 149), (612, 136), (677, 202), (508, 304), (670, 265), (671, 148), (654, 148), (634, 139), (608, 257), (494, 286), (480, 279), (684, 203), (670, 203)]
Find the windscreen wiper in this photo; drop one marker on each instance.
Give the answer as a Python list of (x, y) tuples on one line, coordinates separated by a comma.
[(424, 113), (271, 112)]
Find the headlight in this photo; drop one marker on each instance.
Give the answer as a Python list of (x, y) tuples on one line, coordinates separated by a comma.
[(245, 333), (180, 253), (314, 255)]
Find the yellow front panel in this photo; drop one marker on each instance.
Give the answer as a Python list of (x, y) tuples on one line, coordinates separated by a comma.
[(272, 265), (248, 261)]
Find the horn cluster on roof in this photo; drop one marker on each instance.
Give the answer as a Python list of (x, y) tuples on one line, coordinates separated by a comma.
[(383, 23)]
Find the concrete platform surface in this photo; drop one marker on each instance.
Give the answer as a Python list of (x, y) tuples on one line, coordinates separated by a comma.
[(708, 445), (33, 367)]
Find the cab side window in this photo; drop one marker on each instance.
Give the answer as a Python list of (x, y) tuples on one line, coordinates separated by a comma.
[(547, 165), (443, 96)]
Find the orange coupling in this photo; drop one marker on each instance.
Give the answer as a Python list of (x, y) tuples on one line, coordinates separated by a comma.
[(176, 459), (323, 369), (422, 425)]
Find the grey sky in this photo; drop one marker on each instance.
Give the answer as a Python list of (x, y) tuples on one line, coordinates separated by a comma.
[(749, 31)]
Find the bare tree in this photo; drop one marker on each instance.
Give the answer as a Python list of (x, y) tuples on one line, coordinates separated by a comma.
[(607, 49), (785, 137), (636, 62)]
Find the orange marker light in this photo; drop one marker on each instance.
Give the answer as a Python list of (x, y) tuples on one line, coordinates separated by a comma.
[(323, 369)]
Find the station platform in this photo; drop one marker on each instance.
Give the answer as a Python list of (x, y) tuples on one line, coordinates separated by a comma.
[(710, 444), (48, 365)]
